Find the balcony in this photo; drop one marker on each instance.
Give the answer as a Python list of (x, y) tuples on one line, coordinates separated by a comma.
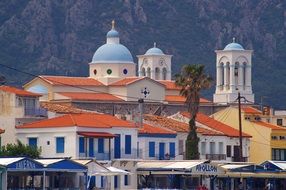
[(215, 156), (106, 155), (36, 112), (236, 159)]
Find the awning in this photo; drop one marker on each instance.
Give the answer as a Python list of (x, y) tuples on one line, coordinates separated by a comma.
[(62, 165), (167, 165), (96, 134), (21, 164), (94, 168), (117, 171), (274, 165)]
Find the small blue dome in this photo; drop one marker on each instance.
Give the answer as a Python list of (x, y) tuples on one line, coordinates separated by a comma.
[(233, 46), (112, 34), (39, 89), (154, 51), (109, 53)]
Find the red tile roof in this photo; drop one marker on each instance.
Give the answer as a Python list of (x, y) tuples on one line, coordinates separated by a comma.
[(181, 99), (90, 96), (91, 120), (216, 125), (2, 131), (149, 129), (251, 110), (96, 134), (18, 92), (170, 85), (62, 108), (73, 81), (268, 125), (126, 81), (176, 125)]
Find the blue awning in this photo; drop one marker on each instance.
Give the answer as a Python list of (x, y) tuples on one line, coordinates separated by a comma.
[(21, 164), (62, 165)]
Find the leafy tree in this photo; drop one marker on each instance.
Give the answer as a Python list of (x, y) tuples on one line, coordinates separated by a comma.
[(20, 149), (192, 79)]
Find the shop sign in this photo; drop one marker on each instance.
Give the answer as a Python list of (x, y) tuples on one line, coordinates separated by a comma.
[(206, 169), (25, 164)]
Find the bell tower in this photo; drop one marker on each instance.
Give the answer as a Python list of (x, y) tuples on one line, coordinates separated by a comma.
[(233, 74), (155, 64)]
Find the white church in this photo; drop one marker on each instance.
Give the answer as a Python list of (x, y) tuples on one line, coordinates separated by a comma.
[(112, 79)]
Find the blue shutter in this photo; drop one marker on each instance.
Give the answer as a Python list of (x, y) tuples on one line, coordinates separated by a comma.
[(125, 179), (60, 144), (102, 181), (117, 146), (151, 149), (91, 147), (172, 150), (115, 181), (100, 145), (81, 144), (161, 151), (33, 142), (127, 144)]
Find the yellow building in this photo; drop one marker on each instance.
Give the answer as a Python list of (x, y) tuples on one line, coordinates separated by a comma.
[(268, 141)]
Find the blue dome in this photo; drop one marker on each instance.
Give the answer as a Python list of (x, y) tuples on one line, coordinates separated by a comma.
[(233, 46), (39, 89), (109, 53), (154, 51), (112, 34)]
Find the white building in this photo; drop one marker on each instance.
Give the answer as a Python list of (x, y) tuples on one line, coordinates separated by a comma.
[(233, 68)]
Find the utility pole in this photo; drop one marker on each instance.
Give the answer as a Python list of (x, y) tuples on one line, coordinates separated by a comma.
[(240, 128), (141, 110)]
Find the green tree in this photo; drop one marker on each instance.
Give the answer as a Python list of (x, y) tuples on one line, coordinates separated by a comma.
[(192, 80), (21, 150)]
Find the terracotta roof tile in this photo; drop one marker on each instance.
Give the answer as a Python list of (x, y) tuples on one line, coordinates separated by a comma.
[(216, 125), (90, 96), (74, 81), (126, 81), (176, 125), (62, 108), (250, 110), (2, 131), (181, 99), (18, 92), (150, 129), (170, 85), (268, 125), (91, 120)]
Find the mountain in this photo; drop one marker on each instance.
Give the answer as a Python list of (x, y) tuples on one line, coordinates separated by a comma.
[(60, 37)]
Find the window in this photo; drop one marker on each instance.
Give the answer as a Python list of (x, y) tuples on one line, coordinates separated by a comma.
[(164, 71), (115, 182), (151, 149), (274, 137), (81, 144), (212, 148), (91, 147), (280, 122), (126, 179), (181, 147), (127, 144), (279, 154), (282, 137), (203, 148), (228, 151), (148, 72), (102, 182), (172, 150), (33, 142), (220, 147), (60, 144), (100, 145)]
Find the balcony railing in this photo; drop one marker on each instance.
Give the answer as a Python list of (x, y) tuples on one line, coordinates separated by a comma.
[(97, 156), (215, 156), (35, 112), (236, 159)]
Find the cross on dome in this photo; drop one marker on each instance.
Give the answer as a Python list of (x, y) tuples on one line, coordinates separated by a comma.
[(112, 24), (233, 40), (155, 44)]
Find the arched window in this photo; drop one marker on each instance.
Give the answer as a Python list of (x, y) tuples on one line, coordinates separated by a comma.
[(164, 73), (227, 76), (244, 75), (236, 75), (221, 74), (157, 73), (143, 72), (148, 72)]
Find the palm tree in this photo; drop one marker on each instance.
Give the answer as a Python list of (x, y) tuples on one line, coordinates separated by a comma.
[(192, 79)]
